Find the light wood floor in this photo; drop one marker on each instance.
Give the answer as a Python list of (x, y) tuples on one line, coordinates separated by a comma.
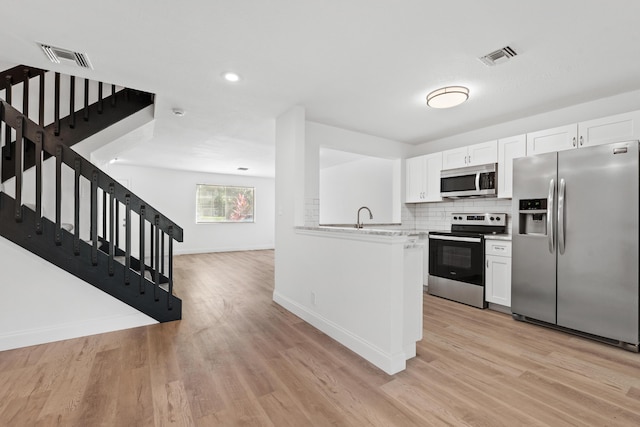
[(237, 358)]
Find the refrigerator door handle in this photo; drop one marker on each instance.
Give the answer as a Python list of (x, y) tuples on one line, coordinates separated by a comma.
[(550, 210), (561, 216)]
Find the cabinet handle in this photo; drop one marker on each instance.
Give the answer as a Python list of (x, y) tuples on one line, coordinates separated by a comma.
[(487, 263), (574, 141), (581, 140), (469, 160)]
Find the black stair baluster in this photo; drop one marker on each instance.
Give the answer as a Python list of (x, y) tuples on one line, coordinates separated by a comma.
[(72, 103), (41, 101), (117, 224), (156, 275), (58, 231), (100, 100), (104, 214), (112, 201), (142, 264), (18, 167), (8, 139), (25, 93), (151, 247), (39, 141), (56, 105), (94, 218), (86, 100), (76, 207), (162, 255), (170, 260), (113, 95), (127, 238)]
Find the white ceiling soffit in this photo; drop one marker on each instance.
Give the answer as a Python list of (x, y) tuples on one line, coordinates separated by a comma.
[(59, 55)]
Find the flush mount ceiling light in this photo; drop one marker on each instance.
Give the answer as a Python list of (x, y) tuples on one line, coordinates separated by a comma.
[(231, 77), (243, 169), (447, 97)]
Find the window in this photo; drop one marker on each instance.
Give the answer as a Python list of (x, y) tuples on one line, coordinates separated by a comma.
[(219, 203)]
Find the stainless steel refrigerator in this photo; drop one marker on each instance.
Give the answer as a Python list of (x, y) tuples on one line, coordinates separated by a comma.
[(575, 241)]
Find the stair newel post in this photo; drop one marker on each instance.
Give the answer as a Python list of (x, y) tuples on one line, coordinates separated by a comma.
[(156, 273), (39, 141), (1, 155), (127, 238), (58, 231), (170, 261), (86, 100), (41, 101), (142, 263), (77, 165), (56, 104), (112, 201), (72, 102), (19, 151), (100, 100), (113, 95)]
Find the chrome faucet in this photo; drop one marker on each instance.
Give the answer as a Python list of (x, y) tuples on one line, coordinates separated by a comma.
[(359, 224)]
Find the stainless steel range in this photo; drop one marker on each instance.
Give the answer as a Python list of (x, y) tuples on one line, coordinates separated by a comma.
[(456, 258)]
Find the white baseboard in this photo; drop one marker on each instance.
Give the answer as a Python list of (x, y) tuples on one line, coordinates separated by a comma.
[(64, 331), (189, 251), (389, 363)]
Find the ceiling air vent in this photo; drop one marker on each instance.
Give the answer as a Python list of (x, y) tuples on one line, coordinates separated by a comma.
[(498, 57), (58, 55)]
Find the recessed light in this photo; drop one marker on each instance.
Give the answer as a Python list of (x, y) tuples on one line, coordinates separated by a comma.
[(447, 97), (178, 112), (231, 77)]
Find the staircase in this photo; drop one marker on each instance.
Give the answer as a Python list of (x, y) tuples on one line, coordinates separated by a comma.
[(61, 207)]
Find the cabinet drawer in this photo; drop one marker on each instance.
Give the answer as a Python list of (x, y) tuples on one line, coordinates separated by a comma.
[(498, 248)]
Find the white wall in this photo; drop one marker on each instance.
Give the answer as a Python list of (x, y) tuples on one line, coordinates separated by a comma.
[(173, 193), (317, 135), (367, 181), (44, 303)]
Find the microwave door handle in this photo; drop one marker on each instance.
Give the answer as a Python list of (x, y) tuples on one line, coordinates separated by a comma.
[(550, 210), (478, 181), (561, 191)]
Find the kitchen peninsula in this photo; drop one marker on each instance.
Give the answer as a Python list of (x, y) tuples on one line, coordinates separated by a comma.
[(362, 287)]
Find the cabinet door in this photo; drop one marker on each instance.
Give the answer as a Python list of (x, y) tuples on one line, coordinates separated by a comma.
[(432, 169), (498, 280), (454, 158), (509, 149), (621, 127), (482, 154), (549, 140), (414, 179)]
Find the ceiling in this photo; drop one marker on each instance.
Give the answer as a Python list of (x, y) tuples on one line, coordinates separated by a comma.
[(362, 65)]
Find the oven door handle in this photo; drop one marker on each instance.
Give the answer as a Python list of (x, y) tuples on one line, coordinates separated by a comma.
[(457, 238), (478, 181)]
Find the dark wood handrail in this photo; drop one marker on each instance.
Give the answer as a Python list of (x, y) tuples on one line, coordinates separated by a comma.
[(55, 145)]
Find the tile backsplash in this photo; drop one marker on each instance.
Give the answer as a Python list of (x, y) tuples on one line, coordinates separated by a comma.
[(437, 215)]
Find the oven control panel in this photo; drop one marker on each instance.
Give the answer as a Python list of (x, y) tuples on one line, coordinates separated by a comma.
[(499, 219)]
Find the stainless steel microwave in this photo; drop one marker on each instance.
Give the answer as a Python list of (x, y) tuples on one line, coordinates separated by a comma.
[(473, 181)]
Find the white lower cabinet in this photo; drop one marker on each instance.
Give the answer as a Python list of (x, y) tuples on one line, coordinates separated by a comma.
[(498, 272)]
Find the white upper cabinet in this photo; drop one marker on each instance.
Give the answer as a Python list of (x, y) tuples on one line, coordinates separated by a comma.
[(509, 149), (423, 178), (472, 155), (549, 140), (621, 127)]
